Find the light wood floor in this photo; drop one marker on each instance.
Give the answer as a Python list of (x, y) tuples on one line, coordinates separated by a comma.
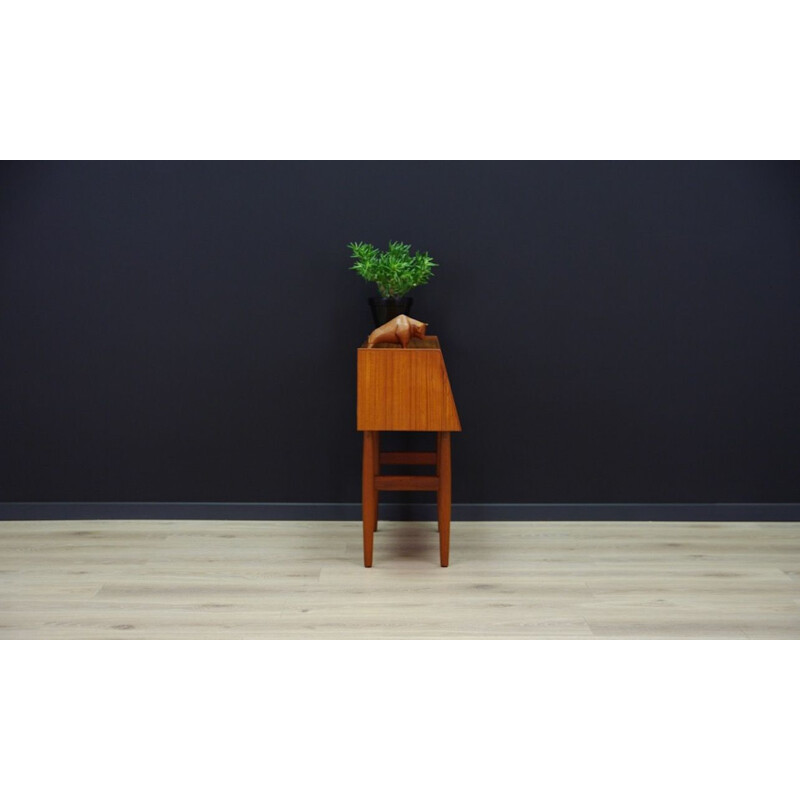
[(292, 580)]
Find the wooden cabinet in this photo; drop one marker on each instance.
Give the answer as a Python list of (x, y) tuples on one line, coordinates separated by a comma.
[(405, 389)]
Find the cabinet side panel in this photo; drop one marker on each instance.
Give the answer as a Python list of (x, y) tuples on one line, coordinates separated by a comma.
[(403, 390), (450, 413)]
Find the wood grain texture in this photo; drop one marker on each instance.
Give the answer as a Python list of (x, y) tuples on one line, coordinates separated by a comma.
[(443, 498), (407, 483), (305, 580), (369, 492), (405, 389)]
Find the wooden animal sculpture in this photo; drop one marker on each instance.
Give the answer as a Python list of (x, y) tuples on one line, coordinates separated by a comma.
[(400, 329)]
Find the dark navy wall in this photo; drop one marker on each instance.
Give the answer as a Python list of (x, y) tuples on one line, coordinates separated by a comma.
[(614, 332)]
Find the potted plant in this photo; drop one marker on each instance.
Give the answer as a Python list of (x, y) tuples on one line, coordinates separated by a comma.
[(395, 271)]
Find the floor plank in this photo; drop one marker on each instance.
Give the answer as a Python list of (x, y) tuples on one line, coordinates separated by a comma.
[(194, 579)]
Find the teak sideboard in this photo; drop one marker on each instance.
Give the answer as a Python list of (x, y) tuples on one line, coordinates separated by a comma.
[(405, 389)]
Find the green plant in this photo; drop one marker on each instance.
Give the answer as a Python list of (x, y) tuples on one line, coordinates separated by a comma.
[(395, 270)]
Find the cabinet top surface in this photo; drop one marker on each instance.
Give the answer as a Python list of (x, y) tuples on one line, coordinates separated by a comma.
[(427, 343)]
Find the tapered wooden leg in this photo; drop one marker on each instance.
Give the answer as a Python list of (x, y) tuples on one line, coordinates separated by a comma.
[(368, 494), (376, 450), (443, 496)]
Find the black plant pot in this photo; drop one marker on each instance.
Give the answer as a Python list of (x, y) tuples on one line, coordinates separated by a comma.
[(386, 308)]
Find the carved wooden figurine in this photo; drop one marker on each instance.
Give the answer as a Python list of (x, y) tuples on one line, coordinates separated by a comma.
[(401, 330)]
